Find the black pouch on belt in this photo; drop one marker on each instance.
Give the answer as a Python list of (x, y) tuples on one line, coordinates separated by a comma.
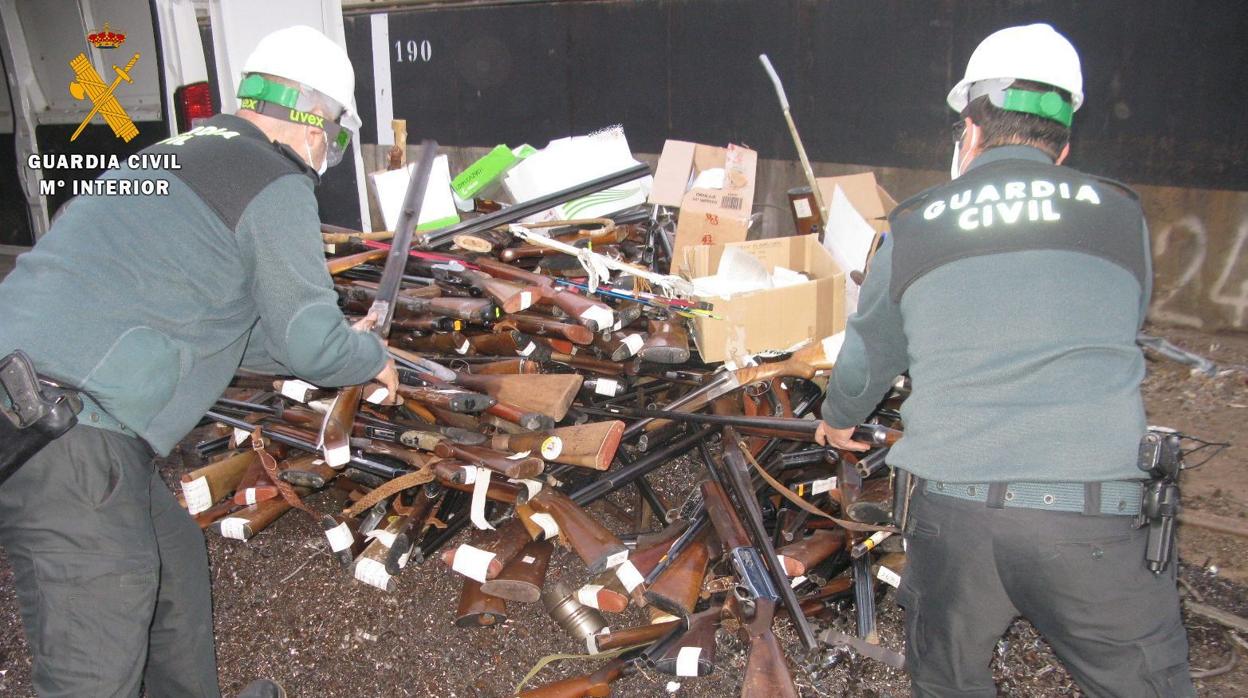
[(32, 414)]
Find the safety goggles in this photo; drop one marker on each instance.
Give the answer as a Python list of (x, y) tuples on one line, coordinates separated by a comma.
[(291, 104)]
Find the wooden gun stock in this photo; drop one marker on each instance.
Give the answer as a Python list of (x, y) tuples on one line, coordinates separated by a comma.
[(799, 556), (501, 546), (450, 473), (595, 685), (700, 637), (667, 343), (548, 326), (767, 672), (443, 343), (509, 296), (632, 637), (206, 485), (522, 578), (515, 468), (677, 588), (591, 445), (595, 315), (548, 394), (596, 546), (478, 609), (341, 264)]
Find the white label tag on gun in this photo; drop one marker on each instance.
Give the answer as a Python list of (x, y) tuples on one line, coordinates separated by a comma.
[(617, 559), (629, 576), (472, 562), (198, 495), (241, 436), (547, 523), (606, 386), (526, 299), (600, 315), (687, 661), (480, 487), (381, 534), (378, 396), (634, 342), (340, 537), (234, 527), (372, 573), (588, 594), (463, 347), (297, 390), (889, 577), (529, 349), (825, 485)]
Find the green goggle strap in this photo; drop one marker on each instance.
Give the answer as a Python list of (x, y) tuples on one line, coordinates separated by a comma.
[(1048, 105), (256, 87)]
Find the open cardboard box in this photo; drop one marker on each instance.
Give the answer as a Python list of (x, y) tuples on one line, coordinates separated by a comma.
[(775, 318), (866, 195), (707, 216)]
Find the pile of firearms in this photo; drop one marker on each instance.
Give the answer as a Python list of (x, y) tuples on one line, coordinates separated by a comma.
[(525, 399)]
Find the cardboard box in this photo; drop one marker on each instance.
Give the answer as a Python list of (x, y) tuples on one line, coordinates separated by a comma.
[(776, 318), (865, 193), (708, 216), (858, 210)]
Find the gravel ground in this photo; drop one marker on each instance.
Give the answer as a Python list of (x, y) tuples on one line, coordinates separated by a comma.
[(286, 610)]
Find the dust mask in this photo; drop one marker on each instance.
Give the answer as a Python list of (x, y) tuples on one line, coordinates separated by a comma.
[(320, 169)]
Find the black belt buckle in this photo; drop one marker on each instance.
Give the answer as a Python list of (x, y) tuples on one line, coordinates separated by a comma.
[(31, 415)]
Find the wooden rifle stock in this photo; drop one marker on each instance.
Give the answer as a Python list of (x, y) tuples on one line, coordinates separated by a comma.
[(478, 609), (591, 445), (207, 484), (699, 635), (510, 466), (677, 588), (509, 296), (548, 394), (595, 685), (799, 556), (522, 578), (667, 343), (450, 473), (547, 326), (632, 637), (506, 367), (370, 567), (596, 546), (607, 368), (503, 545), (767, 672), (442, 343), (427, 322), (510, 343), (341, 264), (595, 315), (336, 430)]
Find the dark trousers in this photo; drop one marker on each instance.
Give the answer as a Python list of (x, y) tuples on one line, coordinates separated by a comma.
[(1081, 580), (111, 574)]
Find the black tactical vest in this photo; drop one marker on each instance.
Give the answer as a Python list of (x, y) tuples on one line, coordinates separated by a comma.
[(227, 161), (1012, 205)]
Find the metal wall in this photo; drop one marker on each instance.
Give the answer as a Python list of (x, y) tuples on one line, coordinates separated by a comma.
[(867, 80)]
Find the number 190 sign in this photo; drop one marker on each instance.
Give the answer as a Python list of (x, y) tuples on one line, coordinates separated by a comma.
[(413, 51)]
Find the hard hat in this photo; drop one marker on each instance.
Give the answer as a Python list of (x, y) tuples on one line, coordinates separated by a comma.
[(1034, 52), (306, 56)]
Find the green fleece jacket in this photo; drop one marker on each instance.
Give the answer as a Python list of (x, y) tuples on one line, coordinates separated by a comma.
[(150, 304), (1024, 365)]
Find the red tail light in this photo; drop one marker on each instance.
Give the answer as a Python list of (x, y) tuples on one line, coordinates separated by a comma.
[(193, 102)]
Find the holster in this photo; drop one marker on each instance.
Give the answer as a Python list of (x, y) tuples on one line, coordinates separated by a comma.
[(32, 413), (903, 489)]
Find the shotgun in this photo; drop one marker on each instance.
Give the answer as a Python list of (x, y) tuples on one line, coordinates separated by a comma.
[(452, 473), (677, 589), (548, 394), (755, 597), (693, 654), (486, 557), (544, 325)]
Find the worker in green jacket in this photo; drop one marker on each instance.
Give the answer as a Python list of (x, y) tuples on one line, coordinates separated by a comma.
[(148, 306), (1012, 295)]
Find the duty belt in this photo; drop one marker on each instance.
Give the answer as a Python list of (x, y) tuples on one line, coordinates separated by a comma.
[(93, 415), (1115, 497)]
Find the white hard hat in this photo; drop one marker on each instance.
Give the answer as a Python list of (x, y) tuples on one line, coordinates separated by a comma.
[(1035, 52), (306, 56)]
